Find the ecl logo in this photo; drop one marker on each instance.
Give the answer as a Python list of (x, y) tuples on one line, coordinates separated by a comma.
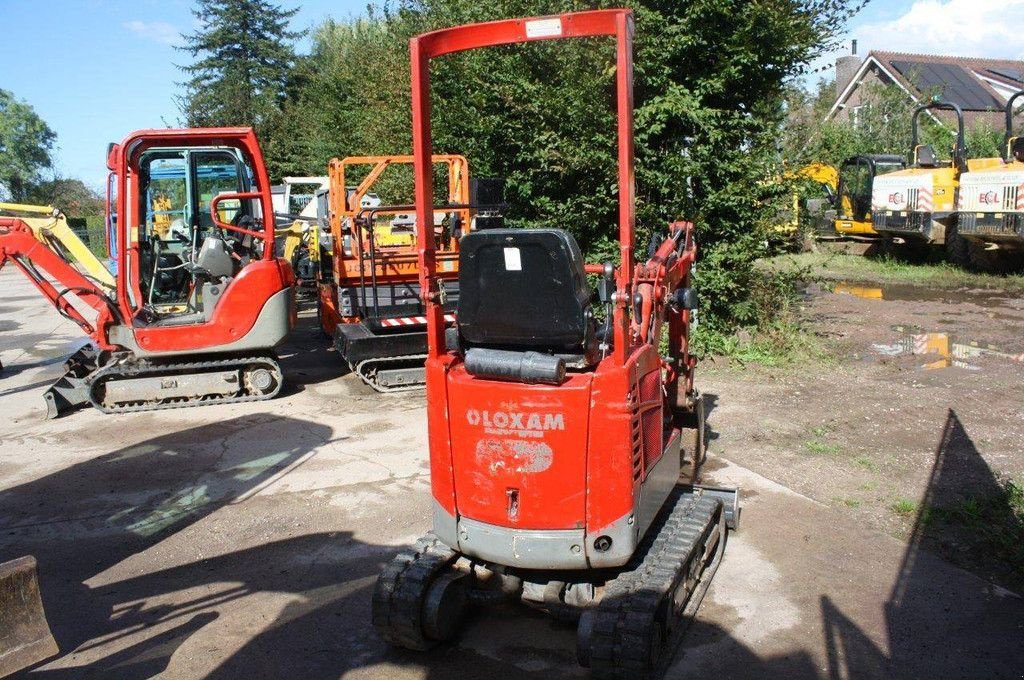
[(897, 198), (988, 198)]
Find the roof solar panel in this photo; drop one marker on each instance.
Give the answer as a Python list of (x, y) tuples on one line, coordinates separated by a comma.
[(955, 83), (1008, 73)]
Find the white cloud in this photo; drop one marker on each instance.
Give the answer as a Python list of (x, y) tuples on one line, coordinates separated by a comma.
[(155, 31), (967, 28)]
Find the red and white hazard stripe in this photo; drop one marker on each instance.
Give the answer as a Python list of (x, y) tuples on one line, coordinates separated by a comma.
[(412, 321), (921, 344), (1020, 198), (924, 200)]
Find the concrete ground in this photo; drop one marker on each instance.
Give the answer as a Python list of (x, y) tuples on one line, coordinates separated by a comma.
[(243, 541)]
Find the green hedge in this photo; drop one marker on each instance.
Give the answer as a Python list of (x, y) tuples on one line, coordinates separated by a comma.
[(91, 230)]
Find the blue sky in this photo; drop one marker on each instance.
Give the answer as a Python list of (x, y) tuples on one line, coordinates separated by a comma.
[(97, 69)]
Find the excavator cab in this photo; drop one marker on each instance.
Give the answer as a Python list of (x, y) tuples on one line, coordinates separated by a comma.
[(184, 257)]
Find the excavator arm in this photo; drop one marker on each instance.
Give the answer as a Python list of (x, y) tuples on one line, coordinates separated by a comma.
[(40, 263), (52, 229)]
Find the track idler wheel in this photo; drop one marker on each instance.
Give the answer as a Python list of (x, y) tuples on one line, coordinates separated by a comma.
[(260, 381), (419, 601), (444, 606)]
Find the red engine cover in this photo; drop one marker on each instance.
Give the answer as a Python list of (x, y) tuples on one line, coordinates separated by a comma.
[(520, 451)]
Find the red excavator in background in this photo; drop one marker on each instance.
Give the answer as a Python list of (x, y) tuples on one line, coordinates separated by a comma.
[(564, 451), (200, 300)]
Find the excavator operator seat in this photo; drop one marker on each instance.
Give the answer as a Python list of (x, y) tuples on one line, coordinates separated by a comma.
[(925, 156), (1017, 149), (525, 290)]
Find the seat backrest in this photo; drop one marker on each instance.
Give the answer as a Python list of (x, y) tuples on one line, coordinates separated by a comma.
[(1017, 149), (523, 288), (926, 157)]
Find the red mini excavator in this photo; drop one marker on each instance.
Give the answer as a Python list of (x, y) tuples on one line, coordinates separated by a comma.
[(564, 450), (200, 301)]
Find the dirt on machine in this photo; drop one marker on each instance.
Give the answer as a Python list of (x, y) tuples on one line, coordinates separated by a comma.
[(565, 448), (198, 302), (369, 298)]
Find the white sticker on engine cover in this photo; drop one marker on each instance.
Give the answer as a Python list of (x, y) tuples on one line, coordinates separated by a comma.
[(543, 28), (513, 262)]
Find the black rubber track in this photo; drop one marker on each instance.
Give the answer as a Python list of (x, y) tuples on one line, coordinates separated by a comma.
[(401, 589), (634, 629), (142, 369)]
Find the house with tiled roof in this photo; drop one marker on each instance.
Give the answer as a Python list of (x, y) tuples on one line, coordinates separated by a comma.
[(980, 86)]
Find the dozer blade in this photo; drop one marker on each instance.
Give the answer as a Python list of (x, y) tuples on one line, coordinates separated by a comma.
[(25, 637), (71, 391)]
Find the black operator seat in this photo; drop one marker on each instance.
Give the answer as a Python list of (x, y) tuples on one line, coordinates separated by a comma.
[(1017, 149), (524, 289), (926, 157)]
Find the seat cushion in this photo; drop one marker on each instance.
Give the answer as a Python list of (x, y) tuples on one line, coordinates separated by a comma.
[(523, 288)]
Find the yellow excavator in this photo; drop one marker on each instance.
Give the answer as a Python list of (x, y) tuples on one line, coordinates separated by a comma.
[(50, 227), (853, 197), (808, 203)]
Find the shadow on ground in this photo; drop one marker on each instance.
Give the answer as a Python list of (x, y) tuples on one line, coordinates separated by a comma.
[(94, 515), (168, 483), (936, 622)]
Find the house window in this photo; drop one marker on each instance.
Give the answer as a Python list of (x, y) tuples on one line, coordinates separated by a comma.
[(858, 115)]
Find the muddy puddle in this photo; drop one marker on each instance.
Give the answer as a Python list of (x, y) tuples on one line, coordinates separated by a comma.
[(867, 290), (953, 338), (944, 350)]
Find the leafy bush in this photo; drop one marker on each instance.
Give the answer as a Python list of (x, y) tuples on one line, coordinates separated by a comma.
[(709, 84)]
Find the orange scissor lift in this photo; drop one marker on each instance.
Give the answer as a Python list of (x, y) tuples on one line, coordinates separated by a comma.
[(370, 301)]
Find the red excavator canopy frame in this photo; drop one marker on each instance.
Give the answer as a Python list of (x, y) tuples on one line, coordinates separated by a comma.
[(122, 159), (617, 23)]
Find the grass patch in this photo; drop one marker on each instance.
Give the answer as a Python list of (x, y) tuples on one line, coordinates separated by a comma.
[(866, 463), (903, 506), (780, 344), (888, 270), (997, 521), (818, 447), (851, 502)]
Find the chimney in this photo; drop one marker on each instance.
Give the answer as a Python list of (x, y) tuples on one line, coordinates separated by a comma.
[(846, 68)]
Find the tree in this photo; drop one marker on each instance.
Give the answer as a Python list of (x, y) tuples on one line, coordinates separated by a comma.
[(71, 196), (709, 85), (883, 126), (26, 145), (244, 53)]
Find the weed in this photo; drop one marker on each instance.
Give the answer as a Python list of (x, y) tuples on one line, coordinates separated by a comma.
[(903, 506), (851, 502), (866, 463), (817, 446), (782, 343), (869, 486)]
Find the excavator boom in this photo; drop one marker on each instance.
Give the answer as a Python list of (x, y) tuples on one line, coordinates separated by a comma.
[(51, 228)]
